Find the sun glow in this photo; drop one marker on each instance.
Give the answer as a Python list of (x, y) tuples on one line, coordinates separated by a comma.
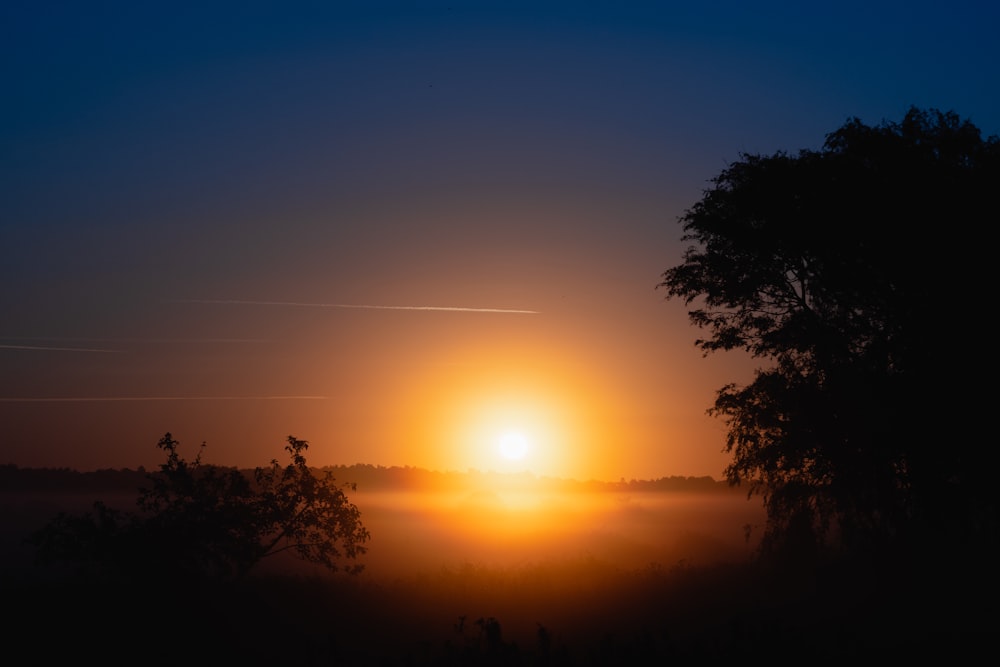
[(514, 427), (500, 406), (513, 445)]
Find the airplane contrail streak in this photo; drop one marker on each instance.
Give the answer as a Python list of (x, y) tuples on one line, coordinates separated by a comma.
[(47, 348), (453, 309), (109, 399), (139, 340)]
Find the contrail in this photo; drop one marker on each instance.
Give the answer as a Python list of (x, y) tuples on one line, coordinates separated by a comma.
[(47, 348), (451, 309), (124, 340), (103, 399)]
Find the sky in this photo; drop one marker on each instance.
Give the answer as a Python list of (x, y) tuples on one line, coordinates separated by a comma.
[(401, 231)]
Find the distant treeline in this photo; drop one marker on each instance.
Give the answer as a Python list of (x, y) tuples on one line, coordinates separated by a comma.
[(380, 478), (66, 480), (365, 477)]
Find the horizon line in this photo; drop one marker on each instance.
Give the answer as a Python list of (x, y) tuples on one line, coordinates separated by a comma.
[(468, 472)]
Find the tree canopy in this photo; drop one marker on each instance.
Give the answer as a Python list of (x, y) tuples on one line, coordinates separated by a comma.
[(208, 521), (857, 272)]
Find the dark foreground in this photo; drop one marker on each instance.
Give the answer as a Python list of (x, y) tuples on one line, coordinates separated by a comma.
[(583, 613)]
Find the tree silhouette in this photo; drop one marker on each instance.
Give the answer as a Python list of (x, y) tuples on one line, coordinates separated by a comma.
[(843, 269), (207, 521)]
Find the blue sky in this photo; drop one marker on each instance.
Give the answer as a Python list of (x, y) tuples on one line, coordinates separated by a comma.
[(522, 156)]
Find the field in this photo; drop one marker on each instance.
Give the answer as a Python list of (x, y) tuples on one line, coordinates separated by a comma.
[(515, 578)]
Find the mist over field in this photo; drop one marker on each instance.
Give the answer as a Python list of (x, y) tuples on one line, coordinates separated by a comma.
[(473, 566), (413, 532), (423, 522), (576, 558)]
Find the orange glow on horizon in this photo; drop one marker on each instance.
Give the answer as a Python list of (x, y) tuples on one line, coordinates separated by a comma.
[(477, 397)]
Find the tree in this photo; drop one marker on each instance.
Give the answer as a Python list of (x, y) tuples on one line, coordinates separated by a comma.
[(842, 268), (207, 521)]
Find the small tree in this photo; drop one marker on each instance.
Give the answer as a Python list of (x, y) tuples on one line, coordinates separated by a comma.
[(208, 521)]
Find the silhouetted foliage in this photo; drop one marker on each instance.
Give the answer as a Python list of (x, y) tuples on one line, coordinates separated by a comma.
[(859, 273), (207, 521)]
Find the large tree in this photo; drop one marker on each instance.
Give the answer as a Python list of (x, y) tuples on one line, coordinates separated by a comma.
[(856, 273)]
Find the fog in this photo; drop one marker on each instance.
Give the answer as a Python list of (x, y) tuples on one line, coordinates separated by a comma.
[(416, 532), (491, 523)]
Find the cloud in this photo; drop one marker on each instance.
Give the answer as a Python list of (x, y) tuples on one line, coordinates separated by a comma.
[(451, 309)]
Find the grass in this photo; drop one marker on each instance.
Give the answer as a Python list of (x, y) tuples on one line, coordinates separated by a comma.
[(587, 612)]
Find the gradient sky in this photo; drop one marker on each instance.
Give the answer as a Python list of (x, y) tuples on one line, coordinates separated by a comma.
[(398, 230)]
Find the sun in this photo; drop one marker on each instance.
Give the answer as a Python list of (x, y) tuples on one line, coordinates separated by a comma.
[(513, 445)]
